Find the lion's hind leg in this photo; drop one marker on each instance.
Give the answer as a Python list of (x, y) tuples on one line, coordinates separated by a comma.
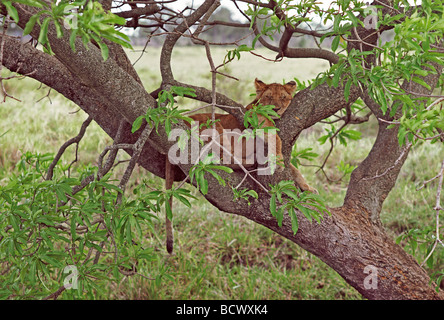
[(300, 180)]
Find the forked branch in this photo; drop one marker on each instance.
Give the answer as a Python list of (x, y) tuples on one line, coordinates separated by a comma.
[(68, 143)]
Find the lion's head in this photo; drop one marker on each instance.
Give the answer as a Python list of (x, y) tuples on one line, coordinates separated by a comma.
[(275, 94)]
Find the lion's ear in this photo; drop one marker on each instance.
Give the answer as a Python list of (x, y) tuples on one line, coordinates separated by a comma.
[(290, 87), (260, 86)]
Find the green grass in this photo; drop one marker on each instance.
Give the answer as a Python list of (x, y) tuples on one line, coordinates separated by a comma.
[(190, 65), (39, 123), (218, 255)]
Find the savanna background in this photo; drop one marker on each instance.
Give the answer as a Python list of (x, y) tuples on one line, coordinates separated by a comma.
[(218, 255)]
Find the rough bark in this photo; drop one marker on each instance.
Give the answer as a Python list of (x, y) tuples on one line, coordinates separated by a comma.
[(371, 182)]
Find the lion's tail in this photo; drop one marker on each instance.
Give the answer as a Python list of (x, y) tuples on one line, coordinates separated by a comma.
[(169, 179)]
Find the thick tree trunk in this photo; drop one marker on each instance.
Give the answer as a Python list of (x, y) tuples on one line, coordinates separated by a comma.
[(362, 253)]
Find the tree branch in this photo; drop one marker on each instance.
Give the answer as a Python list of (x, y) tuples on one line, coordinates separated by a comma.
[(374, 178), (171, 39), (89, 67), (62, 149), (297, 52), (25, 59), (139, 11)]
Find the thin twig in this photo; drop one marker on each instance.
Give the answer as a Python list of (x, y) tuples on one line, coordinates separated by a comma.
[(55, 294), (437, 208), (137, 148), (62, 149), (346, 122)]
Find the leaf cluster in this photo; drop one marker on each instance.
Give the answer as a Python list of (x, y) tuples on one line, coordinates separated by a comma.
[(166, 113), (198, 171), (291, 200), (85, 19), (47, 225)]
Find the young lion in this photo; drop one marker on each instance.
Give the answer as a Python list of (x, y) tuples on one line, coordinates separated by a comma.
[(266, 94), (274, 94)]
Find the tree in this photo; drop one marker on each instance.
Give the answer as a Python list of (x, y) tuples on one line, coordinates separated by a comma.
[(399, 82)]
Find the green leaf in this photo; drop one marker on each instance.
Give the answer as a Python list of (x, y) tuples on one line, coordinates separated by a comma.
[(352, 134), (103, 47), (353, 18), (168, 210), (412, 45), (323, 139), (223, 168), (183, 91), (59, 30), (137, 123), (305, 212), (30, 24), (347, 89), (43, 36), (273, 205), (244, 47), (252, 193), (335, 43), (72, 39), (183, 200), (336, 22), (421, 82), (280, 215), (294, 220), (12, 11), (202, 182), (337, 75), (401, 135)]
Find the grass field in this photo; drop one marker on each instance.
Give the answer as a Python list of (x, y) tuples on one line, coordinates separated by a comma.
[(221, 256)]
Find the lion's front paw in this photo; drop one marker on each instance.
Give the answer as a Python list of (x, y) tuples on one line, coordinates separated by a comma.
[(312, 190)]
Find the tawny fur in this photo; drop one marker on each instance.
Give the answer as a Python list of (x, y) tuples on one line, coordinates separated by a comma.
[(274, 94)]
